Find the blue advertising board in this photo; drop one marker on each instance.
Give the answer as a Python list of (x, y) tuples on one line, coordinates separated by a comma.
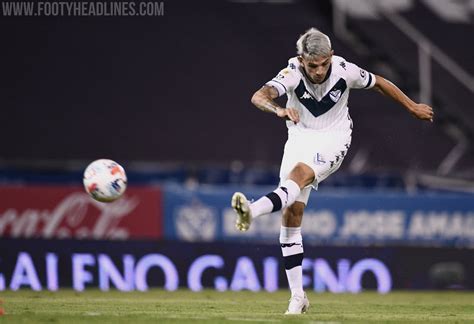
[(331, 218), (143, 265)]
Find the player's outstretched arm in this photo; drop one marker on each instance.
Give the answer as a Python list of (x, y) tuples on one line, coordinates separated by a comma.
[(263, 99), (418, 110)]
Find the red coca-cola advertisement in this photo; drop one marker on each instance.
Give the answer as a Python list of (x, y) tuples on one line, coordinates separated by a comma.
[(60, 212)]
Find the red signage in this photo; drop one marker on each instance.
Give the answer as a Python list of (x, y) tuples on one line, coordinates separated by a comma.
[(62, 212)]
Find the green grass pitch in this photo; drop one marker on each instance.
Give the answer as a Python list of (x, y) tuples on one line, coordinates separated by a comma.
[(158, 306)]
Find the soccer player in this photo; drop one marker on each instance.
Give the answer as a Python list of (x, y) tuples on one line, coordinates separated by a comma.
[(317, 84)]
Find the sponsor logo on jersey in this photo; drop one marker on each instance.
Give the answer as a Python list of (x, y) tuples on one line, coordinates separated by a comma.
[(292, 66), (282, 74), (306, 95), (335, 95), (363, 74), (343, 65)]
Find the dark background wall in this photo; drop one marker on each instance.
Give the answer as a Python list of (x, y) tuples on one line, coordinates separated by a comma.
[(176, 88)]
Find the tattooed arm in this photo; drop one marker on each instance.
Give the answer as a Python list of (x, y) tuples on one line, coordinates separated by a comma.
[(263, 99)]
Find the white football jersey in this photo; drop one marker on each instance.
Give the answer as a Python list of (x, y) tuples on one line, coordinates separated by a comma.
[(321, 106)]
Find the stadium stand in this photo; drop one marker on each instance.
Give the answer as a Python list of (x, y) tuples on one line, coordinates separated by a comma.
[(129, 90), (451, 97)]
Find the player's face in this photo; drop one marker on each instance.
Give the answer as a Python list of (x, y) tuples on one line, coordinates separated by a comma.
[(316, 68)]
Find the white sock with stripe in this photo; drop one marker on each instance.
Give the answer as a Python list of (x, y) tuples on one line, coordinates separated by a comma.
[(281, 197), (291, 242)]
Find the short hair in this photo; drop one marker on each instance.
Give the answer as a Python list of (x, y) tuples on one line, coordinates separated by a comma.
[(313, 43)]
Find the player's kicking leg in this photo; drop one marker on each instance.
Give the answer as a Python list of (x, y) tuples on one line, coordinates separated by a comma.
[(285, 195), (272, 202)]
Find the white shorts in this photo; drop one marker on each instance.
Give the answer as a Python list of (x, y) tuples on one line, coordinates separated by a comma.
[(323, 151)]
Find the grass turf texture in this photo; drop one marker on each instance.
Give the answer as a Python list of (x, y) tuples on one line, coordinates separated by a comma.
[(184, 306)]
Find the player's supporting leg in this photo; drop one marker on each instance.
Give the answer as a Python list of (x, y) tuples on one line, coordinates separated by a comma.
[(291, 242), (285, 195)]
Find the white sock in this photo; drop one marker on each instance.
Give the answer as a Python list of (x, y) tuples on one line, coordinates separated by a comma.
[(291, 243), (281, 197)]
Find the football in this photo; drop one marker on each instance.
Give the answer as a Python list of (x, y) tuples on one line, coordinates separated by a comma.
[(105, 180)]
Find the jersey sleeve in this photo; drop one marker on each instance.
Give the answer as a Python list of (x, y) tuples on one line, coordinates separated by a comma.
[(285, 81), (359, 78)]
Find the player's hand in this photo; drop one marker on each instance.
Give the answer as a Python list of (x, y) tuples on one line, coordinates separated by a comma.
[(423, 112), (289, 114)]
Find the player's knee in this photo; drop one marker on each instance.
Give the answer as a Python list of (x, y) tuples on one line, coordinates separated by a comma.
[(302, 174)]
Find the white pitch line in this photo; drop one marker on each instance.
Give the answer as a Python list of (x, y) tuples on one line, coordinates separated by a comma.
[(251, 320)]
